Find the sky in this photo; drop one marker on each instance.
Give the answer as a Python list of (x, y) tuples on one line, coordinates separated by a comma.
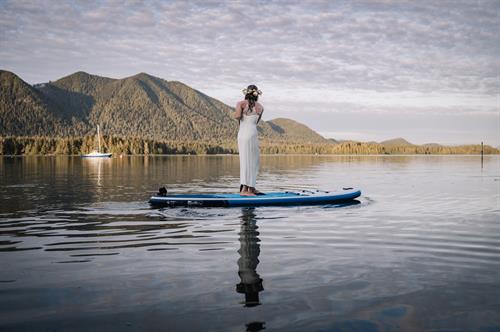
[(428, 71)]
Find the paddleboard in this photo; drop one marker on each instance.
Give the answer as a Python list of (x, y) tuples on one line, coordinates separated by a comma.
[(300, 197)]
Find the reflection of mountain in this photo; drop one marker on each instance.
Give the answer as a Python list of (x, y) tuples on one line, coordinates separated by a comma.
[(251, 283)]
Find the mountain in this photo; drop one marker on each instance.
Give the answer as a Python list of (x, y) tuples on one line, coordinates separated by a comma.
[(22, 106), (396, 142), (334, 141), (146, 114), (138, 106), (294, 131), (141, 105)]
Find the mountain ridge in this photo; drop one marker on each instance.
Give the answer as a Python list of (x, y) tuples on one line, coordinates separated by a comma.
[(140, 105), (399, 141)]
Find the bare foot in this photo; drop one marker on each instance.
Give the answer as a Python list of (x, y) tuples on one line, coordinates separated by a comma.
[(253, 191), (246, 193)]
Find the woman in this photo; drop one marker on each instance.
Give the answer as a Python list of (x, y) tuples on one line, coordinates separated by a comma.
[(249, 112)]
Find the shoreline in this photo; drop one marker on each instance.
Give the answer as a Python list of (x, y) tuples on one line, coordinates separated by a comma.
[(137, 146), (262, 155)]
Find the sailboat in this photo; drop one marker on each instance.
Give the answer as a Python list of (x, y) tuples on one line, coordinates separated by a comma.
[(97, 154)]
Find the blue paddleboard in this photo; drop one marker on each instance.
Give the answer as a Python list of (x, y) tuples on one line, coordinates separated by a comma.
[(301, 197)]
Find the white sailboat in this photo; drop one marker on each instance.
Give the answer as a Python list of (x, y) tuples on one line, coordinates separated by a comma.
[(97, 154)]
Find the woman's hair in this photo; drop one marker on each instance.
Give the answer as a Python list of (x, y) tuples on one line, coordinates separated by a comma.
[(251, 95)]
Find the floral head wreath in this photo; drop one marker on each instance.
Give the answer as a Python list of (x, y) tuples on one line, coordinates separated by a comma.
[(255, 92)]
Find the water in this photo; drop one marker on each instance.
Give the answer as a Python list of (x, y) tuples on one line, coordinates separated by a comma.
[(81, 250)]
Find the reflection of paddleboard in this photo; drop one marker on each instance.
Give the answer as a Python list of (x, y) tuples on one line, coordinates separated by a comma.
[(302, 197)]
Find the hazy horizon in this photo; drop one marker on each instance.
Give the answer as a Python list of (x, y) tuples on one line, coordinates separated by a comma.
[(368, 71)]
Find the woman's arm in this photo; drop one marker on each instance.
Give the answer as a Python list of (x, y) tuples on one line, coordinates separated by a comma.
[(260, 111), (239, 109)]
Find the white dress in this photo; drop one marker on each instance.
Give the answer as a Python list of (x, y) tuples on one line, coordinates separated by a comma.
[(248, 146)]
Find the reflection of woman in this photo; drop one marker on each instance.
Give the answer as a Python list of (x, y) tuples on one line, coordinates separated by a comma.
[(249, 112), (251, 283)]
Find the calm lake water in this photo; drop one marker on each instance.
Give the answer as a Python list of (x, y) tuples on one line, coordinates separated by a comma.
[(81, 250)]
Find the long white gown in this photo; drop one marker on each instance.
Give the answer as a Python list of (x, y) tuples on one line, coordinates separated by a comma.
[(248, 146)]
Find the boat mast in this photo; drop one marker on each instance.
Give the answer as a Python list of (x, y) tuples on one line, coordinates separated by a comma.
[(98, 139)]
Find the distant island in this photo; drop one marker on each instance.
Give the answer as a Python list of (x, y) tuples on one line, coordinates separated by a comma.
[(143, 114)]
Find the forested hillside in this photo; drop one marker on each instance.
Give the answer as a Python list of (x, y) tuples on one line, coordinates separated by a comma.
[(138, 106), (296, 132), (143, 114), (25, 110), (136, 145)]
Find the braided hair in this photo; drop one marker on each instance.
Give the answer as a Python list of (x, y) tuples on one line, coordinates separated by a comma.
[(252, 96)]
